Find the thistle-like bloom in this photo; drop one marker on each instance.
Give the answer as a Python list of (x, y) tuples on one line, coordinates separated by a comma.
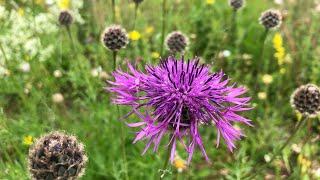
[(114, 38), (236, 4), (137, 1), (178, 98), (306, 100), (177, 42), (65, 18), (271, 19), (57, 156)]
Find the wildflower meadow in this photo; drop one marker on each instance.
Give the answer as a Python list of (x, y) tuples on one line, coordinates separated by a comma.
[(159, 89)]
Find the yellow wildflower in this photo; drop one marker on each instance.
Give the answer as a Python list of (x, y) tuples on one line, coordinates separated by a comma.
[(267, 79), (27, 140), (155, 55), (149, 30), (280, 50), (304, 163), (134, 35), (21, 12), (262, 95), (210, 2), (283, 71), (39, 2), (179, 163), (64, 4)]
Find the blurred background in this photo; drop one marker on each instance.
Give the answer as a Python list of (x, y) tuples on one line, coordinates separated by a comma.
[(53, 78)]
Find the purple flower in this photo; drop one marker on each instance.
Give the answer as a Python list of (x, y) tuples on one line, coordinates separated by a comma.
[(178, 97)]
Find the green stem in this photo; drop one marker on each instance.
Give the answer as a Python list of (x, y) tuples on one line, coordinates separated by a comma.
[(263, 40), (164, 14), (113, 11), (123, 146), (135, 15), (4, 54), (114, 56), (233, 34), (260, 62), (288, 141), (71, 39)]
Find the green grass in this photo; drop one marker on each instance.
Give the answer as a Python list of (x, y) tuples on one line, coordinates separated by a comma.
[(88, 113)]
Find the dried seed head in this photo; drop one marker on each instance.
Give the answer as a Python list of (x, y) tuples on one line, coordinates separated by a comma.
[(177, 42), (114, 38), (137, 1), (271, 19), (236, 4), (57, 156), (65, 18), (306, 100)]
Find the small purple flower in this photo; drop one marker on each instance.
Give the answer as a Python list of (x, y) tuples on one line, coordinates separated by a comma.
[(178, 97)]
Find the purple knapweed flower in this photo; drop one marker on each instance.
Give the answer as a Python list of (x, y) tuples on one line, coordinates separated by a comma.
[(177, 98)]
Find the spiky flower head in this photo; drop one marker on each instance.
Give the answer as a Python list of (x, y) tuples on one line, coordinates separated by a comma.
[(65, 18), (114, 38), (271, 19), (177, 42), (306, 100), (137, 1), (177, 98), (57, 156), (236, 4)]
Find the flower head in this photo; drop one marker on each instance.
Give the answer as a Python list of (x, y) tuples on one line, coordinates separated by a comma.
[(267, 79), (134, 35), (114, 38), (57, 156), (271, 19), (65, 18), (137, 1), (177, 42), (64, 4), (25, 67), (236, 4), (27, 140), (179, 163), (306, 100), (177, 98), (155, 55), (57, 98), (280, 50), (210, 2)]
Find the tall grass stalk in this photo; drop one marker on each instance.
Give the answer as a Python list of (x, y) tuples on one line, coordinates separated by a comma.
[(113, 4), (164, 22)]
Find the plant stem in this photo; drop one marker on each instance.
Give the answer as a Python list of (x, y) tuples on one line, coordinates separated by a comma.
[(135, 15), (114, 56), (260, 62), (113, 4), (263, 40), (164, 17), (123, 146), (233, 35), (4, 53), (299, 125), (71, 39)]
